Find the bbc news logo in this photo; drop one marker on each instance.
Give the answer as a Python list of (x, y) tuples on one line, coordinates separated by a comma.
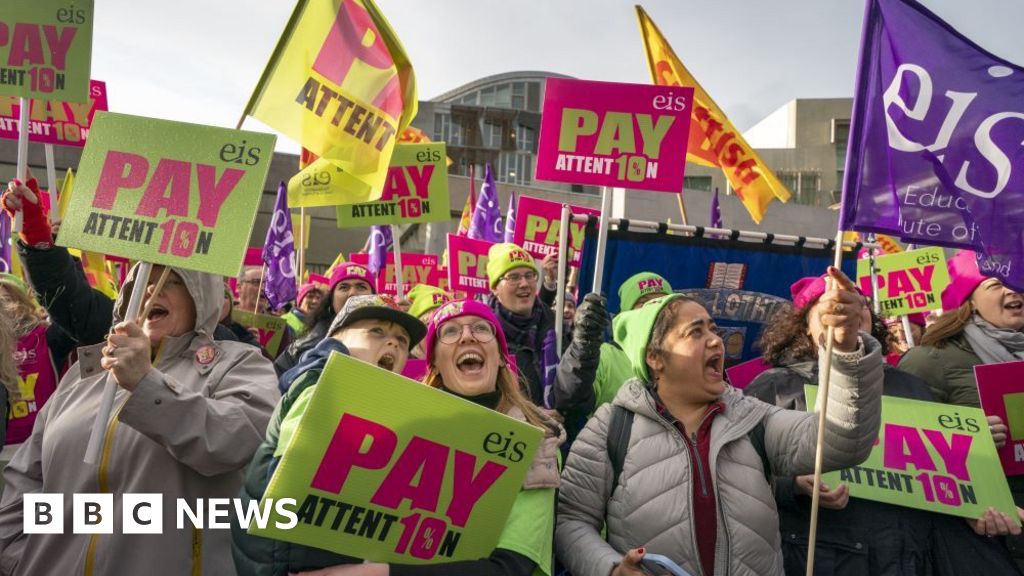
[(144, 513)]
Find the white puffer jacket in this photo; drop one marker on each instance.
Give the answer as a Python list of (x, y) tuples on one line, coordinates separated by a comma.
[(650, 507)]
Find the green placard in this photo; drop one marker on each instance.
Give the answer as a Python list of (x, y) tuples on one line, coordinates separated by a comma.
[(908, 282), (930, 456), (270, 328), (167, 192), (46, 49), (390, 470), (416, 190)]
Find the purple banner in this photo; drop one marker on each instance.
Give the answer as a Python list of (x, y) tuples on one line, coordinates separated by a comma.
[(935, 154), (279, 254)]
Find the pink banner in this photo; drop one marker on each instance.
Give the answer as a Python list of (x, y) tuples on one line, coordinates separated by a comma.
[(467, 265), (64, 123), (415, 369), (611, 134), (253, 257), (1001, 388), (538, 223), (416, 269), (741, 375)]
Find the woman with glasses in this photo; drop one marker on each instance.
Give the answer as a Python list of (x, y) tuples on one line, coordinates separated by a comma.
[(469, 357)]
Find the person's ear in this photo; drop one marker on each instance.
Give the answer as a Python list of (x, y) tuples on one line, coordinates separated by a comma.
[(654, 364)]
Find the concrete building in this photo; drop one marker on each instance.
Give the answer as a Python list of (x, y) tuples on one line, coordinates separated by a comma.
[(496, 120)]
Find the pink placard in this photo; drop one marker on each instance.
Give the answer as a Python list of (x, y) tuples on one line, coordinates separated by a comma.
[(742, 374), (253, 257), (538, 223), (416, 269), (1001, 388), (611, 134), (467, 265), (64, 123), (320, 280)]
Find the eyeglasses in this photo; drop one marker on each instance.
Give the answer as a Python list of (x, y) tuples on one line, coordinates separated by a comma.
[(480, 331), (253, 281), (530, 276)]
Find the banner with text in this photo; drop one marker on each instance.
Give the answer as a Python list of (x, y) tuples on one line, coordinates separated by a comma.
[(156, 191), (404, 485), (929, 456), (539, 222), (46, 49), (416, 269), (54, 122), (908, 282), (270, 329), (416, 190), (1001, 388), (612, 134), (467, 265)]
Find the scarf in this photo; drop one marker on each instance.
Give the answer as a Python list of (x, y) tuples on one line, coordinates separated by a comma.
[(487, 399), (520, 331), (994, 345)]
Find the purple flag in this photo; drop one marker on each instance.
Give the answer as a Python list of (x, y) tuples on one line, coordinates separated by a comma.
[(935, 154), (279, 254), (510, 217), (486, 223), (5, 242), (716, 211), (380, 243)]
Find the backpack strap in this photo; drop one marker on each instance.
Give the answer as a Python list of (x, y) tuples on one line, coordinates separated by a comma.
[(620, 427)]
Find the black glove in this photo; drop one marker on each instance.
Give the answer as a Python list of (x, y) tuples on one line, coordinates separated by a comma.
[(591, 320)]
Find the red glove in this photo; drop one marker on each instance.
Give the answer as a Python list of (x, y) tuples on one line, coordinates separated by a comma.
[(35, 229)]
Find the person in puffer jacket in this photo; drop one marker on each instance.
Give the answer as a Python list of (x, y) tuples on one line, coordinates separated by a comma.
[(188, 414), (693, 484)]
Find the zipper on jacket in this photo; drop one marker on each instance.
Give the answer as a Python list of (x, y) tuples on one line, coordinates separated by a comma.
[(197, 552), (695, 454), (104, 484)]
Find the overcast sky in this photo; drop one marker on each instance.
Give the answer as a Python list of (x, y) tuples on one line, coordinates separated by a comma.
[(198, 60)]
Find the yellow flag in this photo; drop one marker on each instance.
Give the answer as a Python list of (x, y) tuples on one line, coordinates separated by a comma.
[(340, 84), (337, 260), (65, 193), (96, 271), (714, 141)]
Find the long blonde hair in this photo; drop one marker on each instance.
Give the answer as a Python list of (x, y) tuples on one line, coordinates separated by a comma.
[(948, 325), (18, 306), (8, 366), (511, 394)]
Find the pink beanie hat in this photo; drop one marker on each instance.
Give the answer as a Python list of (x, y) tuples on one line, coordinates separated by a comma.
[(459, 308), (807, 290), (964, 277), (350, 270)]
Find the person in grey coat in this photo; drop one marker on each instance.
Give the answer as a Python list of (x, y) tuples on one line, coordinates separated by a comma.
[(693, 484)]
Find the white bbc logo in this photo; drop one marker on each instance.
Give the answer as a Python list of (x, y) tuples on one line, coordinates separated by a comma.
[(92, 514)]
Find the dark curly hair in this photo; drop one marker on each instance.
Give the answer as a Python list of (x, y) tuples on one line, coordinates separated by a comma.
[(786, 341)]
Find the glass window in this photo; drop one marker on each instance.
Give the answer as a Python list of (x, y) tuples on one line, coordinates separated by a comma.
[(526, 138), (519, 95), (492, 135), (697, 183), (470, 98), (487, 96), (503, 96), (441, 127)]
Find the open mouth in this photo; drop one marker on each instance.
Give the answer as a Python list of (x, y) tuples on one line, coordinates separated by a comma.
[(470, 363), (524, 293), (387, 362), (713, 367), (156, 313), (1015, 305)]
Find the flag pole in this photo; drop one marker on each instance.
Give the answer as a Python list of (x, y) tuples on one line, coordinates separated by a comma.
[(51, 182), (905, 319), (259, 291), (302, 249), (824, 379), (99, 426), (396, 247), (602, 236), (22, 168), (563, 243), (682, 209)]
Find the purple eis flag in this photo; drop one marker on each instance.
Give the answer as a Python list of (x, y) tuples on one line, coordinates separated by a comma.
[(279, 254), (510, 218), (380, 243), (486, 222), (5, 242), (935, 151), (716, 211)]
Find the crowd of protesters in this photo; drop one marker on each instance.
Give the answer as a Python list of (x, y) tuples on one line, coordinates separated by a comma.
[(646, 446)]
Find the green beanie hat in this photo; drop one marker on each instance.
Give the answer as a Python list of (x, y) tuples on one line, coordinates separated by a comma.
[(640, 285), (632, 331), (13, 280), (504, 257), (425, 298)]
